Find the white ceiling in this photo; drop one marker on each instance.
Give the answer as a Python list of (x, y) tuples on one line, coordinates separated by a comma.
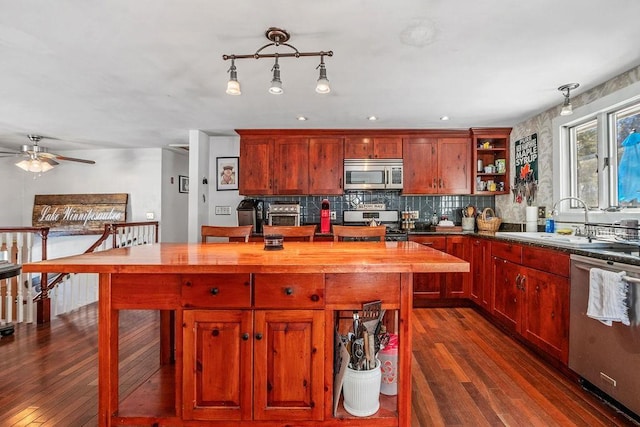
[(142, 73)]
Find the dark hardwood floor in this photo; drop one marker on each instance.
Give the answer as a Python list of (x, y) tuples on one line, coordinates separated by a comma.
[(465, 373)]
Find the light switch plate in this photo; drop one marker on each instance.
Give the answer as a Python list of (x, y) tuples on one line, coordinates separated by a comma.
[(223, 210), (333, 214), (150, 215)]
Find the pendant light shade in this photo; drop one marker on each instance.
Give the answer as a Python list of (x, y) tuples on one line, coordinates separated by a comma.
[(34, 165), (276, 83), (322, 85), (233, 86), (567, 108)]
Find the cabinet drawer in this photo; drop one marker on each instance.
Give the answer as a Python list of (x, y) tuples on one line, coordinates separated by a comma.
[(289, 290), (509, 251), (358, 288), (216, 291), (548, 260), (435, 242)]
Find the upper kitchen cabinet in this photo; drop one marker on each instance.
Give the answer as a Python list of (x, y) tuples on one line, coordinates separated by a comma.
[(437, 165), (290, 166), (255, 177), (491, 160), (357, 147), (326, 166)]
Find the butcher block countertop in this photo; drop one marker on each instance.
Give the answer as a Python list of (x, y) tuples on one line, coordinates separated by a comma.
[(296, 257)]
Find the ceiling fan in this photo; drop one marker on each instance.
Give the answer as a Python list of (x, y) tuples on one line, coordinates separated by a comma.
[(37, 158)]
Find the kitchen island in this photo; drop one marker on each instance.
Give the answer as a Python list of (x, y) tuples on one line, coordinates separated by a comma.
[(247, 335)]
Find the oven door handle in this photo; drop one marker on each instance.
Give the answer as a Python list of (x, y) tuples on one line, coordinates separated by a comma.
[(588, 269)]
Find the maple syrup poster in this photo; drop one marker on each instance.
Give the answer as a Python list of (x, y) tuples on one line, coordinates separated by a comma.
[(526, 165)]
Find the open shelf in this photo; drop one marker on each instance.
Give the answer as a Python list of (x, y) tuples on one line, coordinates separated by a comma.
[(490, 147), (154, 397)]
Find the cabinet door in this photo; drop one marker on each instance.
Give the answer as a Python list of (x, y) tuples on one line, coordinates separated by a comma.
[(289, 365), (387, 148), (217, 365), (546, 312), (480, 289), (457, 284), (358, 148), (326, 166), (420, 165), (255, 176), (291, 166), (454, 156), (506, 293)]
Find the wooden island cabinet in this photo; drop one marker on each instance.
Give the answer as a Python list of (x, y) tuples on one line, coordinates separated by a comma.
[(247, 335)]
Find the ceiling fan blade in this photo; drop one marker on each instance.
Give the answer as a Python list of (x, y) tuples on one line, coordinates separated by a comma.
[(10, 152), (48, 160), (73, 159)]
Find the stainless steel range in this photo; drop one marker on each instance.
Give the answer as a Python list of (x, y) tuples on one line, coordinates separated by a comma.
[(388, 218)]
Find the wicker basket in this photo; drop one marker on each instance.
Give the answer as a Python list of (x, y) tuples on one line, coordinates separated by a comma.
[(488, 222)]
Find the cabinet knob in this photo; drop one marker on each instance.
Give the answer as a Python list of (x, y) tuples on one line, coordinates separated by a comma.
[(258, 336), (315, 298), (214, 291), (215, 332), (553, 314), (288, 291), (245, 336)]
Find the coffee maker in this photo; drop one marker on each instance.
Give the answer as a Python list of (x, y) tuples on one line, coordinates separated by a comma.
[(250, 212)]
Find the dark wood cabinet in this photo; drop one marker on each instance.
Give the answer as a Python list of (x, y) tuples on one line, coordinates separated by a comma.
[(326, 166), (531, 297), (291, 166), (491, 148), (480, 286), (371, 147), (437, 165), (439, 286), (255, 174)]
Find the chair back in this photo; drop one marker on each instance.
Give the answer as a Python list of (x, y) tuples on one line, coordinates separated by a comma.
[(355, 231), (302, 233), (232, 233)]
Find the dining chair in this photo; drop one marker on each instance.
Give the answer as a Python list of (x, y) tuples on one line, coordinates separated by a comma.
[(302, 233), (358, 232), (232, 233)]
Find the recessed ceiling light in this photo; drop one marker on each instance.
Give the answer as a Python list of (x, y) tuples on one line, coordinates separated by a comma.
[(372, 118), (444, 118), (301, 118)]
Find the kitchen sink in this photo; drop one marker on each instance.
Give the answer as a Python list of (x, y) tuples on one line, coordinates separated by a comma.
[(575, 242)]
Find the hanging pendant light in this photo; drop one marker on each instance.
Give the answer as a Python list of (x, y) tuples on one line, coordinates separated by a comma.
[(276, 84), (233, 86), (323, 83), (567, 108)]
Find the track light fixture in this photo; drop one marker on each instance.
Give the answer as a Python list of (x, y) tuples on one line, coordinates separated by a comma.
[(277, 38), (567, 108)]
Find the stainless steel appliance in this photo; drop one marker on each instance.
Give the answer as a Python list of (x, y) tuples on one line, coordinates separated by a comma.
[(388, 218), (251, 212), (608, 357), (373, 174), (284, 213)]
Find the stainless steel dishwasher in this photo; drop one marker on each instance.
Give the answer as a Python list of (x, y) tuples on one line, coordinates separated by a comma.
[(608, 357)]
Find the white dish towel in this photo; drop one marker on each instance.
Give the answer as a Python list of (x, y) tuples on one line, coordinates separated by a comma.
[(608, 296)]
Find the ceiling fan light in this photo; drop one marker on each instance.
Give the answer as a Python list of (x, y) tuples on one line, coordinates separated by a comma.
[(34, 165)]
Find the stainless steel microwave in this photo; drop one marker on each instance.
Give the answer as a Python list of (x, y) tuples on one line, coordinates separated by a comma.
[(373, 174)]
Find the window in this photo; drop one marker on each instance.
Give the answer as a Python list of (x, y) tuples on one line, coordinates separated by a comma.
[(604, 158)]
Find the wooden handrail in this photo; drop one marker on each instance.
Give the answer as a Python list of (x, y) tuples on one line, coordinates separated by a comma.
[(109, 230)]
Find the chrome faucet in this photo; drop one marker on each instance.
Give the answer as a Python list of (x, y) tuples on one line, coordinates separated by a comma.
[(586, 213)]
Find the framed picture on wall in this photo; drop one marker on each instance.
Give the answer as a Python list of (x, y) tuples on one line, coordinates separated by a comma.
[(183, 184), (227, 173)]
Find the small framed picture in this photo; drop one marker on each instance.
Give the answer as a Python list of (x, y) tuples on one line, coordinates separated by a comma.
[(183, 184), (227, 173)]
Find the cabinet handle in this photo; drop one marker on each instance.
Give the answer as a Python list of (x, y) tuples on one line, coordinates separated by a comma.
[(441, 185), (214, 291), (258, 336), (434, 185), (518, 277), (522, 283), (553, 314), (340, 183), (245, 336), (288, 291)]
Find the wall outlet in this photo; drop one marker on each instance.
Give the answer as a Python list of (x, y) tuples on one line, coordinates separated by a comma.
[(333, 214), (150, 215), (542, 212), (223, 210)]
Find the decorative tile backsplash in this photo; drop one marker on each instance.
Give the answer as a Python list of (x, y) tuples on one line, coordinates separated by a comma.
[(449, 206)]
